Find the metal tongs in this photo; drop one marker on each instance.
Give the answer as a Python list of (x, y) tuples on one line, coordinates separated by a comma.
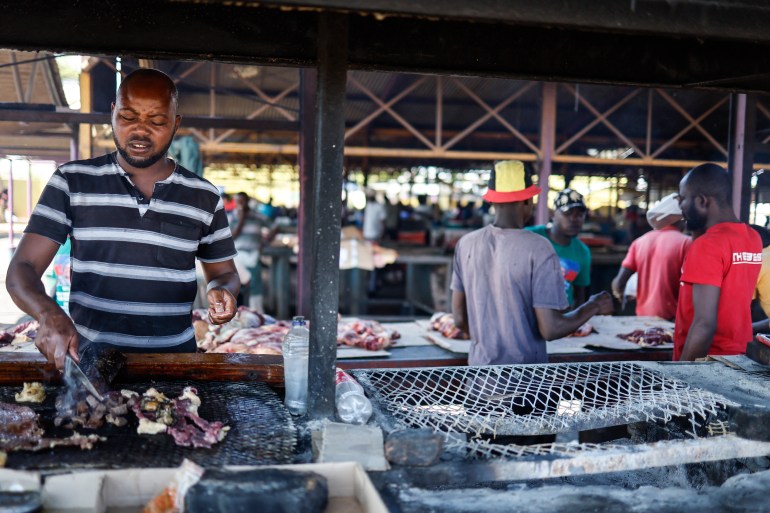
[(73, 374)]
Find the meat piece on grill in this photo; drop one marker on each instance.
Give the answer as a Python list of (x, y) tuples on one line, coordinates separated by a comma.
[(649, 337), (33, 392), (444, 323), (19, 430), (19, 427), (75, 408), (176, 417)]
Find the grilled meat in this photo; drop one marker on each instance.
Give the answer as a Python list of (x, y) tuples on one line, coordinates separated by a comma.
[(31, 393)]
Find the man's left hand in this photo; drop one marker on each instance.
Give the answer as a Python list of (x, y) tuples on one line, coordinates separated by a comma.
[(222, 305), (603, 301)]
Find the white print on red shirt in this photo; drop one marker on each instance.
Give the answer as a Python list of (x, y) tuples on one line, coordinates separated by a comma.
[(745, 257)]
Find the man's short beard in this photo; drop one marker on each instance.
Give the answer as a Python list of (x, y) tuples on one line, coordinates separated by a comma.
[(693, 220), (145, 162)]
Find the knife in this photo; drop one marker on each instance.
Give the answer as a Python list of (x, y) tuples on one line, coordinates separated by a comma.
[(74, 375)]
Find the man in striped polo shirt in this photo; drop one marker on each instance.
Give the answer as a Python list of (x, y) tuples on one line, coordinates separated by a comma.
[(137, 222)]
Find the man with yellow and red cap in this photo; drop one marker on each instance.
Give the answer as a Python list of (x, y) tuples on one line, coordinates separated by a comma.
[(507, 288)]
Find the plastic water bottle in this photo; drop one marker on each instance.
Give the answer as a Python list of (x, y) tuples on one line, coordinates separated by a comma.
[(353, 406), (295, 357)]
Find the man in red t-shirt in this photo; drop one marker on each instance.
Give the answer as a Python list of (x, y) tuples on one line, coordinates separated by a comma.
[(720, 270), (657, 258)]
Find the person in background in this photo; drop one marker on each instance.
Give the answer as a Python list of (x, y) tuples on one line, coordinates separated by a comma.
[(138, 222), (507, 285), (268, 210), (762, 291), (251, 232), (392, 219), (575, 257), (374, 218), (374, 228), (228, 202), (657, 258), (720, 270)]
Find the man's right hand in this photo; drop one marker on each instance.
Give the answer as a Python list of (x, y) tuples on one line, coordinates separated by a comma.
[(56, 337), (604, 303)]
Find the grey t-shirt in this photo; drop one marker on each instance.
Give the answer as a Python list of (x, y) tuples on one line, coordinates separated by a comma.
[(505, 274)]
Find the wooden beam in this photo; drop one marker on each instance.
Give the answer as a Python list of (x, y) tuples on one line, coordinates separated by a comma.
[(16, 368), (86, 117)]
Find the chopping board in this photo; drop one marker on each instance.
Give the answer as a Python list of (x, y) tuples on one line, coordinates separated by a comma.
[(608, 328)]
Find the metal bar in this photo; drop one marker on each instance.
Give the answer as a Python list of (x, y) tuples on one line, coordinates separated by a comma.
[(17, 78), (383, 108), (439, 110), (31, 83), (766, 112), (186, 73), (741, 157), (85, 141), (96, 118), (212, 96), (648, 142), (199, 135), (547, 140), (260, 110), (695, 123), (606, 122), (363, 151), (307, 106), (621, 459), (599, 119), (9, 209), (28, 185), (393, 113), (327, 188), (259, 92), (492, 113)]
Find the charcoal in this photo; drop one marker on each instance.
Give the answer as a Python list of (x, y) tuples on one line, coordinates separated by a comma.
[(20, 502), (101, 365), (414, 447), (274, 490)]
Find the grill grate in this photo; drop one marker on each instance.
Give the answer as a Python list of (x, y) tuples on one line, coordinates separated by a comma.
[(261, 432), (531, 400)]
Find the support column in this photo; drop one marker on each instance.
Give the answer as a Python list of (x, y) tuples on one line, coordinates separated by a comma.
[(740, 147), (84, 130), (547, 141), (327, 190), (308, 79)]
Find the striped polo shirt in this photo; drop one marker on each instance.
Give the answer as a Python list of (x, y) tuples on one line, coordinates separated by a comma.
[(133, 258)]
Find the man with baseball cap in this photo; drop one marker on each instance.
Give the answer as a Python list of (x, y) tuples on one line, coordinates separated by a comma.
[(507, 285), (657, 258), (574, 256)]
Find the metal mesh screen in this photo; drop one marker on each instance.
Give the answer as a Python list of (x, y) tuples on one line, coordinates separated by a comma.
[(533, 399), (261, 431)]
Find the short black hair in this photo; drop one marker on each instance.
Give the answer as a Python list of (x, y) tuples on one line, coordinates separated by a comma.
[(711, 180)]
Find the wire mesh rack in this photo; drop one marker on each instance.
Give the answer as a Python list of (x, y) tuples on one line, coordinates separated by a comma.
[(533, 399)]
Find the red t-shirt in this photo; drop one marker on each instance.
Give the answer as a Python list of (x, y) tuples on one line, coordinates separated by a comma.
[(728, 256), (657, 257)]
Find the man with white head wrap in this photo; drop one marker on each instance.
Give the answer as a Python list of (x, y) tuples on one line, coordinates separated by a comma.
[(657, 258)]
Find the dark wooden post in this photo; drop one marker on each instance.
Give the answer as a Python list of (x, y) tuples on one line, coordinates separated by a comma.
[(308, 80), (327, 206), (740, 156)]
